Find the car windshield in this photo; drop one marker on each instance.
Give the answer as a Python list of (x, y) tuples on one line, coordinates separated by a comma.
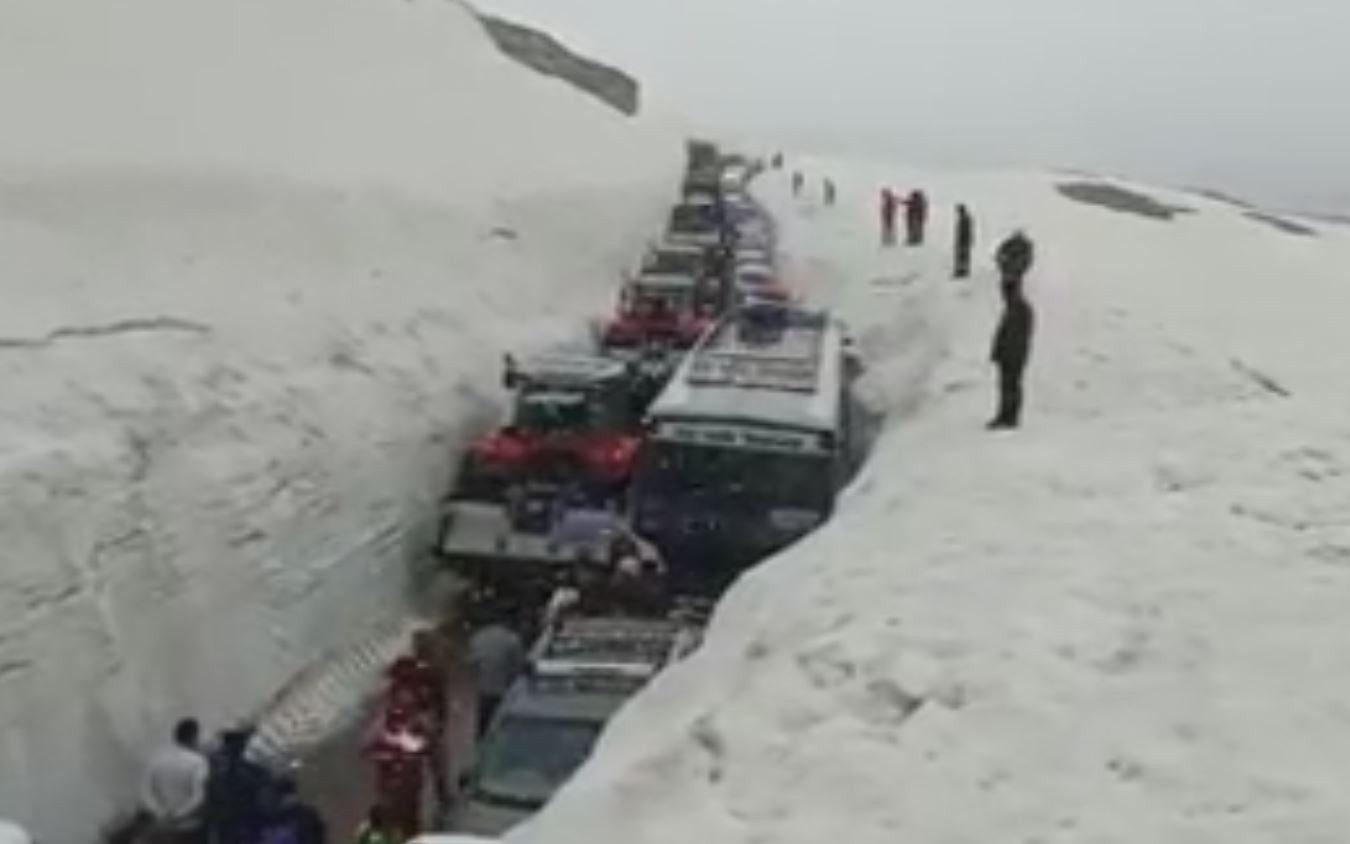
[(673, 471), (552, 411), (526, 759), (671, 262)]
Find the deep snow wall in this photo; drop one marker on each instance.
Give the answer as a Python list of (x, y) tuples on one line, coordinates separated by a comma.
[(259, 261)]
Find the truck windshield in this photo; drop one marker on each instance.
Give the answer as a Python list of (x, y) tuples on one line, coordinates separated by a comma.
[(672, 471), (527, 759), (552, 411)]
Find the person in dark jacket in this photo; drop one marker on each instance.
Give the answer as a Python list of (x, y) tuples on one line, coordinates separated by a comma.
[(890, 201), (965, 241), (797, 181), (829, 191), (289, 820), (234, 790), (1011, 350), (916, 217), (1015, 257)]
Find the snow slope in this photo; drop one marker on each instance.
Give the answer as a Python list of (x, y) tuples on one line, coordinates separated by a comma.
[(259, 260), (1124, 623)]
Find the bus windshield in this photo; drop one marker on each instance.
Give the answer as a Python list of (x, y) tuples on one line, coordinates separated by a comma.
[(764, 479)]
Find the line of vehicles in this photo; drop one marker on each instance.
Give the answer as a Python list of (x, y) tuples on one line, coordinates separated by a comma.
[(712, 424)]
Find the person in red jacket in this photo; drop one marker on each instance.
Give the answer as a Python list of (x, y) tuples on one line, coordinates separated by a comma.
[(399, 747)]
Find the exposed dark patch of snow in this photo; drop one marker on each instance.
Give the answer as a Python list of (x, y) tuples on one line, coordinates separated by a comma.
[(544, 54), (1262, 380), (1283, 224), (1116, 198), (1221, 196)]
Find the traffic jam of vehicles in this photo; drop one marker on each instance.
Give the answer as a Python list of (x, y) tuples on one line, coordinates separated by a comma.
[(710, 427)]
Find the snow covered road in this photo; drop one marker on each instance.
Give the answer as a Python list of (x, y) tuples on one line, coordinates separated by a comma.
[(1125, 622)]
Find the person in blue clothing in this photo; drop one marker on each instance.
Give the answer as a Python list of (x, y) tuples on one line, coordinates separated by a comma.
[(234, 790), (287, 819)]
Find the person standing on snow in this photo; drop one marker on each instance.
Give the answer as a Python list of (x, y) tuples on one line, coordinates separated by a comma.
[(916, 217), (497, 655), (965, 241), (1015, 257), (890, 202), (828, 190), (173, 792), (1010, 352), (797, 181)]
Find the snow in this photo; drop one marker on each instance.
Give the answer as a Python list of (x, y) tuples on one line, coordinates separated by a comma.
[(259, 262), (11, 833), (1125, 622)]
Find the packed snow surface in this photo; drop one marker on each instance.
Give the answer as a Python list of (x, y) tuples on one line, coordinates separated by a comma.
[(259, 260), (1124, 623)]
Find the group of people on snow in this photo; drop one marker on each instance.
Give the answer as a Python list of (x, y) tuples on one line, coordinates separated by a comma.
[(1011, 347), (192, 796)]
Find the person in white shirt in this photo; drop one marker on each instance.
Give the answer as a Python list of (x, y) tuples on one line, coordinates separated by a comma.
[(174, 789)]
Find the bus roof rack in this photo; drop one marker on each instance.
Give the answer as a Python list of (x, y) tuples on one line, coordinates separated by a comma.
[(764, 345)]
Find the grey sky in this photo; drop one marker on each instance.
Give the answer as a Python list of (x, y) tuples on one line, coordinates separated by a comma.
[(1248, 95)]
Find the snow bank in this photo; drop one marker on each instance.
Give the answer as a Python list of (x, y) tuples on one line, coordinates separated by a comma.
[(1124, 623), (259, 260)]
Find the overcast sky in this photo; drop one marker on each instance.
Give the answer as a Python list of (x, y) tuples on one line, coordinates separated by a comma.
[(1248, 95)]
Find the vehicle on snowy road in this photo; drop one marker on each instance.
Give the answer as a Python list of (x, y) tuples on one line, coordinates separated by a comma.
[(667, 303), (570, 447), (573, 420), (747, 445), (543, 732), (580, 674), (700, 221)]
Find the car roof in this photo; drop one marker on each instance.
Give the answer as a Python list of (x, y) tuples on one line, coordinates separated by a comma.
[(590, 647)]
